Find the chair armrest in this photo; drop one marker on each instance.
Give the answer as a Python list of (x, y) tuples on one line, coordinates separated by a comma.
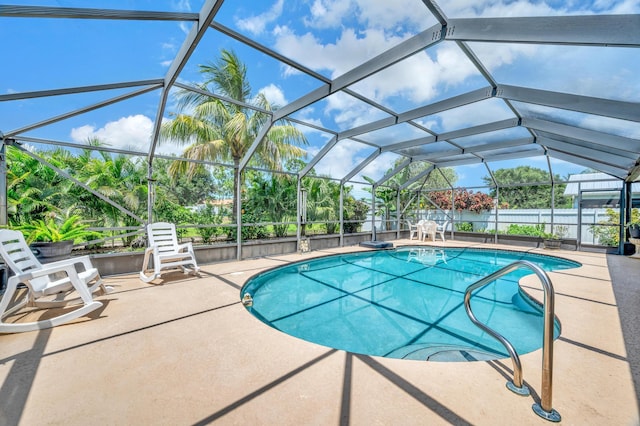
[(48, 269), (84, 260), (187, 246)]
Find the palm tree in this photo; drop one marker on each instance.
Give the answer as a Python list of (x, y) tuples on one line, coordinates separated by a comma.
[(218, 130)]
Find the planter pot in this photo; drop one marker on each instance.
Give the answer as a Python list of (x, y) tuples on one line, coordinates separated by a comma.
[(634, 231), (552, 244), (49, 252)]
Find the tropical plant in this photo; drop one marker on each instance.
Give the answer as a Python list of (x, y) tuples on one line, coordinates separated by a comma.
[(462, 200), (55, 230), (217, 129), (274, 200), (33, 189), (323, 201), (355, 213), (606, 232)]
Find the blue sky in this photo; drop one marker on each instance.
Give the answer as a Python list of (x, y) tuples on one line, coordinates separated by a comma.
[(329, 37)]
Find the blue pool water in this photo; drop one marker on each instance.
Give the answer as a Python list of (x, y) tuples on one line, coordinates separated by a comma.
[(404, 303)]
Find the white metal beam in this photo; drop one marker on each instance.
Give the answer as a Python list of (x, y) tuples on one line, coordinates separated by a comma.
[(207, 13), (568, 157), (581, 151), (585, 30), (392, 173), (453, 102), (605, 139), (587, 104), (416, 178), (325, 149), (83, 89), (82, 13), (81, 111), (361, 166), (403, 50)]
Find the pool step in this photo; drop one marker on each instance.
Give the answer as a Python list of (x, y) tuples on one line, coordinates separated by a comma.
[(443, 353)]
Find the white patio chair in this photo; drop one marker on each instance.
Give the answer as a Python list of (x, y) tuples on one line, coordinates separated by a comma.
[(428, 229), (441, 229), (166, 252), (47, 285), (413, 230)]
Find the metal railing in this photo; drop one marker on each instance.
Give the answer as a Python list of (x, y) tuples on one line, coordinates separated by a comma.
[(544, 409)]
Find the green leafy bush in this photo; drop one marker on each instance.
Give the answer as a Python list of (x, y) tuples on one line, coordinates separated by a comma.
[(207, 216), (527, 230), (464, 227)]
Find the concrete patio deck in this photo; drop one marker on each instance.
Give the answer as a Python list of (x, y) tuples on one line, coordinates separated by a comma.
[(185, 351)]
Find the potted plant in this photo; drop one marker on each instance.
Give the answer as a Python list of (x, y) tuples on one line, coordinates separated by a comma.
[(554, 240), (53, 239), (634, 229)]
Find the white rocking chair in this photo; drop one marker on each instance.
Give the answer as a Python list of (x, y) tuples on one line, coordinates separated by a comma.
[(47, 285), (166, 252)]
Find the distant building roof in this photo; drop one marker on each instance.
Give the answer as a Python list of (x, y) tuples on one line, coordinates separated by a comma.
[(596, 182)]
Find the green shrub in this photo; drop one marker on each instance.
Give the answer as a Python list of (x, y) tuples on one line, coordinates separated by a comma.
[(464, 227), (207, 216), (528, 230)]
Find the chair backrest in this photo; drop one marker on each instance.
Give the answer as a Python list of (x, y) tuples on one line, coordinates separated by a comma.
[(16, 252), (163, 236), (429, 226), (444, 225), (19, 258)]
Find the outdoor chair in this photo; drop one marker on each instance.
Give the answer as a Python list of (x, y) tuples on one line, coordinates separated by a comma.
[(166, 253), (428, 229), (441, 229), (46, 285), (413, 230)]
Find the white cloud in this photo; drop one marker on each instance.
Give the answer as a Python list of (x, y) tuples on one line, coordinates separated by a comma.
[(349, 112), (372, 13), (132, 132), (182, 5), (379, 166), (623, 7), (341, 159), (274, 95), (256, 24), (327, 13), (308, 116)]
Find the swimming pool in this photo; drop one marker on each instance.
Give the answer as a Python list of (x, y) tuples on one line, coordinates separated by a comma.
[(404, 303)]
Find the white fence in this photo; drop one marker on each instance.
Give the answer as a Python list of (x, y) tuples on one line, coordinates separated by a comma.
[(486, 221)]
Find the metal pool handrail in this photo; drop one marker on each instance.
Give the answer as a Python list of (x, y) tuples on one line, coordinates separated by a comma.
[(544, 409)]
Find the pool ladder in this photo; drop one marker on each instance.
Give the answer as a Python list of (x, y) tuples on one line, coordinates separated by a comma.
[(544, 409)]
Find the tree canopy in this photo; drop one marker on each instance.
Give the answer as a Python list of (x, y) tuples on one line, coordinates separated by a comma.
[(534, 194), (216, 130)]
